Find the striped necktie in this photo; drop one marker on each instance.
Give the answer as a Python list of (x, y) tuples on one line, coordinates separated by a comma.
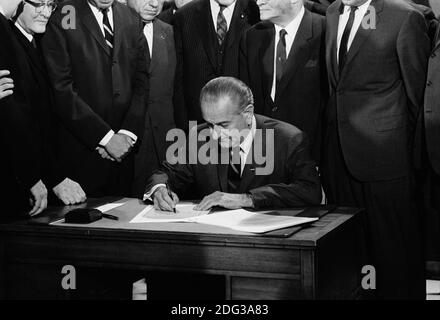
[(222, 26), (108, 31)]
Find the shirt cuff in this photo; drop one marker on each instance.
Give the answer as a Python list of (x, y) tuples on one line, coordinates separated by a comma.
[(106, 138), (130, 134), (147, 196)]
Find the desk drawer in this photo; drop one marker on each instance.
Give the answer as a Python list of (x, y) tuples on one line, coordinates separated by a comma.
[(243, 288)]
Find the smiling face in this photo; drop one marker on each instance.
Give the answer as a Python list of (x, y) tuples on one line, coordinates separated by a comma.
[(32, 21), (147, 9)]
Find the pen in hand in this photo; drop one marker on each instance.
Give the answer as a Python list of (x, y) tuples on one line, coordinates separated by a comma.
[(171, 196)]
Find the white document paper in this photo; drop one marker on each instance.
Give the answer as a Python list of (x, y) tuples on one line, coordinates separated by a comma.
[(109, 206), (253, 222), (184, 213)]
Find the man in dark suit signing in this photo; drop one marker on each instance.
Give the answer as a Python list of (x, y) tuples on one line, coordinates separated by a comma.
[(376, 53), (161, 58), (98, 72), (282, 60), (236, 177), (207, 34)]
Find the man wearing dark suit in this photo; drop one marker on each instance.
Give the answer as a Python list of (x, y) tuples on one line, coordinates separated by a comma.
[(160, 113), (207, 34), (282, 60), (99, 74), (237, 178), (376, 53), (21, 175), (429, 147), (29, 164)]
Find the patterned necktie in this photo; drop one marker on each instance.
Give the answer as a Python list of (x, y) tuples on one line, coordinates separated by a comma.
[(281, 56), (222, 26), (234, 170), (343, 48), (108, 31)]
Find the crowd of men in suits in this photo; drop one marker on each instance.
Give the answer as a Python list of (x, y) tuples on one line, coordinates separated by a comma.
[(86, 109)]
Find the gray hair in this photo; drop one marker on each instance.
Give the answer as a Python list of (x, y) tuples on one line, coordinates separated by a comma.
[(227, 87)]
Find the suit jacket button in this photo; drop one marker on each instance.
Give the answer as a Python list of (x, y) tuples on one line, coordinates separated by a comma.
[(433, 55), (274, 109), (429, 83), (117, 94)]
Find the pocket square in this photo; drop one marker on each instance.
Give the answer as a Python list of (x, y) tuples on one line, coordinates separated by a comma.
[(311, 63)]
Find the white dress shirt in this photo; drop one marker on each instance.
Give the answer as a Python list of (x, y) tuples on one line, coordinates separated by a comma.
[(2, 11), (99, 18), (148, 32), (245, 148), (343, 20), (28, 36), (227, 12), (292, 30)]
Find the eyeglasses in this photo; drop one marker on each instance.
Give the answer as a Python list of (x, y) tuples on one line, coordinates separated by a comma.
[(40, 6)]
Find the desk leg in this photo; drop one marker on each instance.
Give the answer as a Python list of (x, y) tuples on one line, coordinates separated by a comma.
[(2, 270), (228, 287)]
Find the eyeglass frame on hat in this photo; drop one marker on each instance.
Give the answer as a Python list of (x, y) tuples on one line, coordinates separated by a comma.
[(39, 6)]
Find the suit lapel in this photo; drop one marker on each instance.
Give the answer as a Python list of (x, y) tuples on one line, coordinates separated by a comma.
[(267, 57), (238, 22), (160, 51), (206, 29), (361, 36), (118, 25), (436, 41), (89, 21), (299, 52), (331, 53), (249, 169)]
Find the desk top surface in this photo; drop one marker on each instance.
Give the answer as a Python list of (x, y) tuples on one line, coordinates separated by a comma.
[(307, 236)]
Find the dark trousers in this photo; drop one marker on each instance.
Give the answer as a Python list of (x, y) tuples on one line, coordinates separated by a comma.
[(391, 226)]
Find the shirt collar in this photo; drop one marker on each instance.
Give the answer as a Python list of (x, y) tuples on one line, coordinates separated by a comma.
[(29, 36), (96, 10), (360, 8), (2, 11), (293, 25), (214, 4), (246, 145)]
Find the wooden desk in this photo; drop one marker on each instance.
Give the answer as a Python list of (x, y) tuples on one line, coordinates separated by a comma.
[(318, 262)]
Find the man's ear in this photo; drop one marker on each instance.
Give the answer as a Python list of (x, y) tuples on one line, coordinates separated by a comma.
[(249, 112)]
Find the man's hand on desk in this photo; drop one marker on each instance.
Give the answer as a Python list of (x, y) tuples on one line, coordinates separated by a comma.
[(162, 201), (225, 200), (70, 192), (38, 199), (119, 146)]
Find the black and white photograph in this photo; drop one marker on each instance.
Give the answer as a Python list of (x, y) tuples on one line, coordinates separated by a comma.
[(220, 156)]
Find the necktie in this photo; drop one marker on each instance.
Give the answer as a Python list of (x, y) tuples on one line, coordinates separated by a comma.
[(234, 171), (34, 43), (281, 56), (222, 26), (108, 31), (343, 48)]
